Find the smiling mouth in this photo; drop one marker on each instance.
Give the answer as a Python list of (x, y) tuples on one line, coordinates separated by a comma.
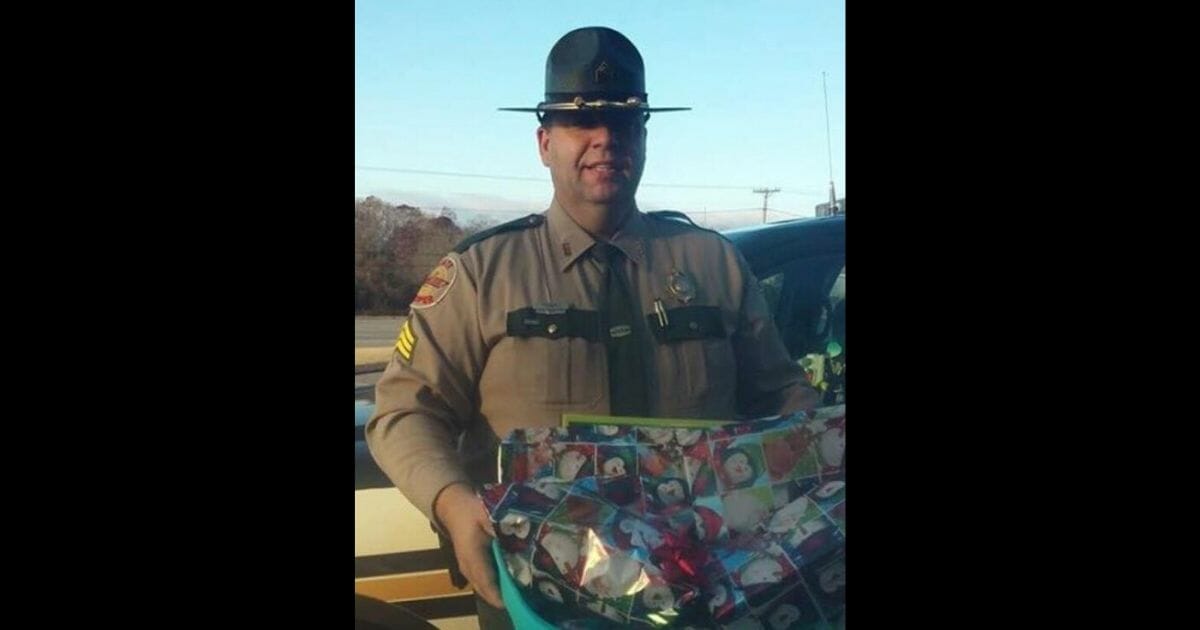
[(605, 167)]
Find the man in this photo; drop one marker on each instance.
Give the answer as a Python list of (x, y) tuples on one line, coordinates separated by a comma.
[(591, 307)]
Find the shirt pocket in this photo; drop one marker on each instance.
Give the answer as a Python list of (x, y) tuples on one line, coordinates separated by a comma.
[(554, 357), (697, 368)]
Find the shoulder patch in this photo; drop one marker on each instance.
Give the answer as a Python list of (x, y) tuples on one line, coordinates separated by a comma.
[(437, 284), (526, 222)]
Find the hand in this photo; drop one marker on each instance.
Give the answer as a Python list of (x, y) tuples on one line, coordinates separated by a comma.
[(812, 399), (464, 518), (805, 398)]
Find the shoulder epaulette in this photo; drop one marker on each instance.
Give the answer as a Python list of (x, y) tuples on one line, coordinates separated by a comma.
[(532, 220), (677, 217)]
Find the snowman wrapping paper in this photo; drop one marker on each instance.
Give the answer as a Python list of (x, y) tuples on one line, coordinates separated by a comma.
[(741, 526)]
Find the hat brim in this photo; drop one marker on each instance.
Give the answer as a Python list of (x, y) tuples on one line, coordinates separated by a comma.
[(571, 107)]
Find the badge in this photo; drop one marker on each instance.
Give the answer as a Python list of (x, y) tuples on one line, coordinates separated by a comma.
[(681, 286)]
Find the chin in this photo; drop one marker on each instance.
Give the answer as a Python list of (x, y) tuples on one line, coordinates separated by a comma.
[(610, 198)]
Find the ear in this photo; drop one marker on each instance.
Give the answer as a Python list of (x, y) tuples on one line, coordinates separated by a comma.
[(543, 140)]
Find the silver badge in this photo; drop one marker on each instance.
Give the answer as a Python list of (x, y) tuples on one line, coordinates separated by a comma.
[(681, 286)]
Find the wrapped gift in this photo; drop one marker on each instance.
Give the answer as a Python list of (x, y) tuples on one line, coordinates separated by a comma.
[(606, 523)]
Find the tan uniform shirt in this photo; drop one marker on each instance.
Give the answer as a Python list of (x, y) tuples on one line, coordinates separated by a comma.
[(504, 335)]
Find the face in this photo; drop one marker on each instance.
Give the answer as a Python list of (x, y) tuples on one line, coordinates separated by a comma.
[(658, 597), (614, 467), (718, 599), (563, 549), (762, 571), (708, 523), (833, 577), (737, 468), (806, 531), (519, 568), (789, 516), (743, 511), (832, 447), (784, 617), (570, 464), (594, 159), (514, 525), (550, 591), (640, 534), (671, 492), (829, 489), (623, 576), (548, 488)]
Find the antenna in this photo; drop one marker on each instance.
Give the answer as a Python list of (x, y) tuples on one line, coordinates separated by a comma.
[(833, 209)]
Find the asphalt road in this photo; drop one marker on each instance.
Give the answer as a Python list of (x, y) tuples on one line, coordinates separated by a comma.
[(373, 332)]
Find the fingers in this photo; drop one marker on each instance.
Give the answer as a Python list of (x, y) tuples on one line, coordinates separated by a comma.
[(472, 531), (476, 562)]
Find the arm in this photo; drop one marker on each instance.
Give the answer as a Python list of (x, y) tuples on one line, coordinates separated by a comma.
[(427, 396), (769, 382)]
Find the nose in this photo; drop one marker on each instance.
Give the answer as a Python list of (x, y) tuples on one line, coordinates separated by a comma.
[(606, 136), (612, 133)]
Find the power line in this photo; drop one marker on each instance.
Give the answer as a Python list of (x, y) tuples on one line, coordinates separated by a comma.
[(451, 174), (543, 180), (754, 209), (439, 207), (702, 186)]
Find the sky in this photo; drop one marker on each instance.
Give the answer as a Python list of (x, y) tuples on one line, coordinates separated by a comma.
[(428, 77)]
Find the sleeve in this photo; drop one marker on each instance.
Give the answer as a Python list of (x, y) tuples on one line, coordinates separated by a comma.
[(428, 392), (769, 382)]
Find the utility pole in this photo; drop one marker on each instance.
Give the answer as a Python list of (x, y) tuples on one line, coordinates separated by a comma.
[(765, 192)]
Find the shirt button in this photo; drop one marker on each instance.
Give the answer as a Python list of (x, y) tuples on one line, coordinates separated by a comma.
[(552, 328), (693, 325)]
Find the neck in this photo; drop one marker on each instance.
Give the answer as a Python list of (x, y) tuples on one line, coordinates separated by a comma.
[(600, 220)]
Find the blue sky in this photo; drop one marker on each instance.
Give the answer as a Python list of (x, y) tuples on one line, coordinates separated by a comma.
[(428, 77)]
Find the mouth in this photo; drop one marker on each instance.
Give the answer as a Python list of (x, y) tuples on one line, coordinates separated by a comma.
[(606, 167)]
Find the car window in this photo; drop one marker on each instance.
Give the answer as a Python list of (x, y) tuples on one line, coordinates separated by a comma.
[(801, 295), (772, 287), (807, 298)]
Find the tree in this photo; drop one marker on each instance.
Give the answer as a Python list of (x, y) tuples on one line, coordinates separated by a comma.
[(395, 247)]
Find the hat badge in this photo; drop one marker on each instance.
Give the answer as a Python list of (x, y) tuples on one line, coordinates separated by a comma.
[(604, 72)]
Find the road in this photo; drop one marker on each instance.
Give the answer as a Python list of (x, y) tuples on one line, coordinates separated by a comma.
[(376, 332)]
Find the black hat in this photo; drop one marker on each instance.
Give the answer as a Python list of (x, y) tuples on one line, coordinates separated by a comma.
[(594, 68)]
